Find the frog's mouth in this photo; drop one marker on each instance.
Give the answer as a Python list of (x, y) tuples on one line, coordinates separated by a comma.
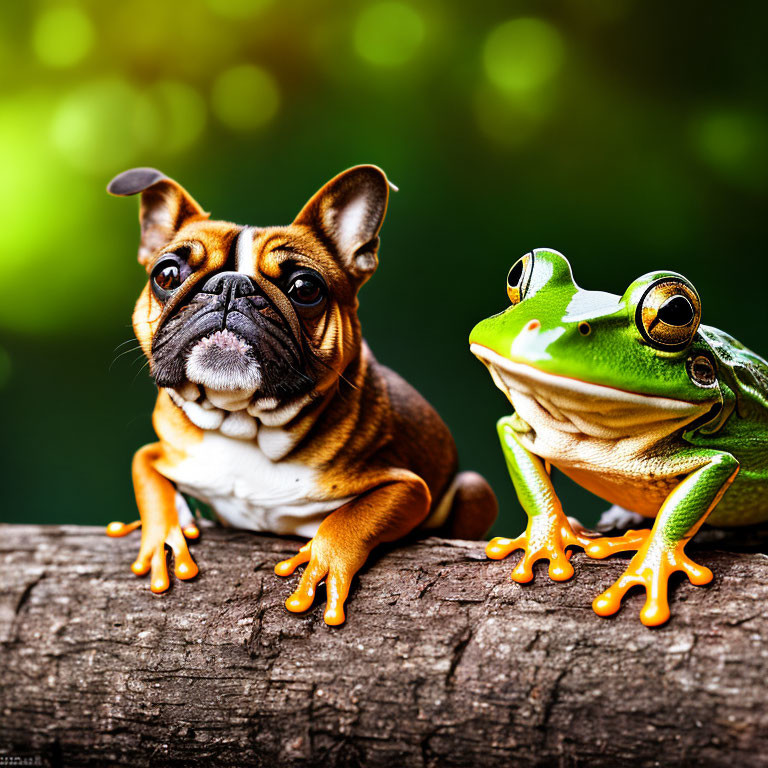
[(547, 401)]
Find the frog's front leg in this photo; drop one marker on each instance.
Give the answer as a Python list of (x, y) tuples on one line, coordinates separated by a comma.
[(549, 532), (160, 526), (662, 552)]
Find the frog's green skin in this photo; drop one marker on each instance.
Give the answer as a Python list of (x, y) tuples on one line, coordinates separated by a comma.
[(596, 396)]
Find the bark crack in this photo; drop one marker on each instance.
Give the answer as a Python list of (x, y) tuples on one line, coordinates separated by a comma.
[(24, 597), (458, 651)]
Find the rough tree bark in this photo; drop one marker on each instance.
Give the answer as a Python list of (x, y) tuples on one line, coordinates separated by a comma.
[(443, 661)]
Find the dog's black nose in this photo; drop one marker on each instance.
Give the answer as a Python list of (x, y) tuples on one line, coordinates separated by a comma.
[(232, 284)]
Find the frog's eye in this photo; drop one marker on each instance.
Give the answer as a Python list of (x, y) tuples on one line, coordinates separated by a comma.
[(669, 313), (518, 278)]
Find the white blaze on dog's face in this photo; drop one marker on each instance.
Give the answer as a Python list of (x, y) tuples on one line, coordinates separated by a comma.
[(244, 323)]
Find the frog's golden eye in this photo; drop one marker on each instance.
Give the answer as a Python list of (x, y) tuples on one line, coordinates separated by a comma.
[(518, 278), (669, 313)]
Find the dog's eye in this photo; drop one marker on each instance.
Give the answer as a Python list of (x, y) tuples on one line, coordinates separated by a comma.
[(306, 289), (168, 275), (168, 278)]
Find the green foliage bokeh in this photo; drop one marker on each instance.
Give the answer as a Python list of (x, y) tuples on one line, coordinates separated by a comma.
[(629, 135)]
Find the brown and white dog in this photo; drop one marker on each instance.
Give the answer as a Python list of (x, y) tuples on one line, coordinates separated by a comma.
[(271, 407)]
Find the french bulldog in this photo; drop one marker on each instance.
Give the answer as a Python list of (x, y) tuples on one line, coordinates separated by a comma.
[(271, 408)]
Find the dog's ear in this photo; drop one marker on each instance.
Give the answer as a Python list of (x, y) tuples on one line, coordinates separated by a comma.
[(347, 213), (165, 206)]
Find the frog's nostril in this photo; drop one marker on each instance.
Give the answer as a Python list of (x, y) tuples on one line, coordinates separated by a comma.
[(532, 325)]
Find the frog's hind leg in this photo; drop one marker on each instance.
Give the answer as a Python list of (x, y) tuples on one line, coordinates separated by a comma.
[(549, 532), (661, 551)]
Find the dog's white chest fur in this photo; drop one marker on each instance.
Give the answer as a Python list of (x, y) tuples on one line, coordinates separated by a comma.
[(248, 490)]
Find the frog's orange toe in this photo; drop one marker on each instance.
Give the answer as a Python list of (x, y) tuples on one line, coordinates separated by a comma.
[(186, 569), (698, 574), (651, 568), (304, 595), (609, 601), (139, 567), (655, 612), (337, 586), (560, 568), (547, 537), (334, 616), (523, 571), (287, 567), (335, 572), (159, 584), (191, 531), (631, 541), (606, 604), (500, 547), (118, 529), (300, 601)]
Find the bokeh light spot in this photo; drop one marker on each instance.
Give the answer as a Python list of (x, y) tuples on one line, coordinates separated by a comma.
[(182, 115), (245, 97), (523, 55), (43, 201), (33, 182), (508, 122), (62, 36), (102, 125), (237, 9), (5, 367), (388, 34), (726, 141)]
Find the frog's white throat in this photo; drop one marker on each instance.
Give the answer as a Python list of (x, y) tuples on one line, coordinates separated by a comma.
[(553, 405)]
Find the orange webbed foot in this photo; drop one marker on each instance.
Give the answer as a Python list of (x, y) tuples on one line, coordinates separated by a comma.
[(323, 564), (547, 537), (152, 555), (651, 568)]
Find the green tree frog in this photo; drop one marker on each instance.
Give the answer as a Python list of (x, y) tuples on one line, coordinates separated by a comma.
[(638, 403)]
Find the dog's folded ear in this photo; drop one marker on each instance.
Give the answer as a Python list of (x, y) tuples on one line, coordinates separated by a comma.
[(347, 214), (165, 206)]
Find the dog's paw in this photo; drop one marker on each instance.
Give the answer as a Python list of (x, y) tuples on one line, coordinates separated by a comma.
[(152, 555), (325, 562)]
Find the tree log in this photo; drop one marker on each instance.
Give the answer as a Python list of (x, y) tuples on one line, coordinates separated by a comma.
[(443, 661)]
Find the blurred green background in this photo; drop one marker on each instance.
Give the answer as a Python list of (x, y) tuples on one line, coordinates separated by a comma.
[(629, 135)]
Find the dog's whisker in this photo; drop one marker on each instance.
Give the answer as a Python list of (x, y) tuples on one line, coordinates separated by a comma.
[(122, 354), (123, 343), (146, 364)]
